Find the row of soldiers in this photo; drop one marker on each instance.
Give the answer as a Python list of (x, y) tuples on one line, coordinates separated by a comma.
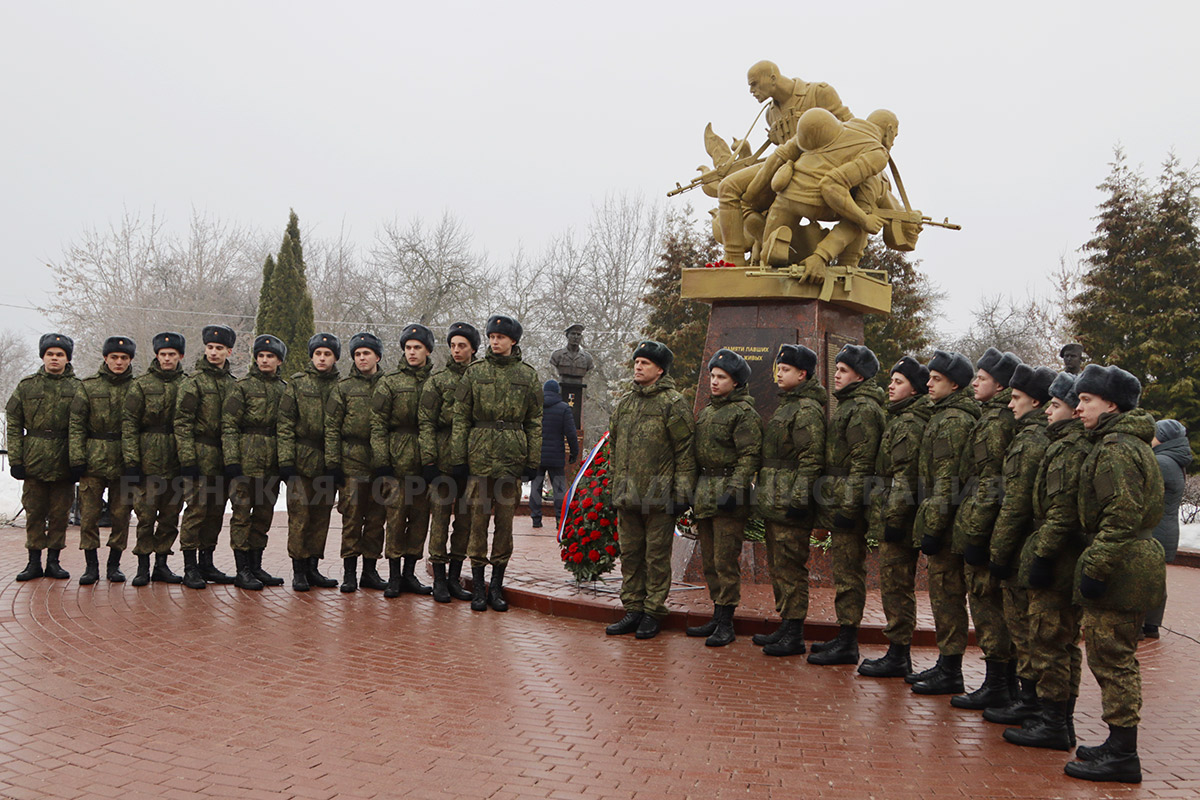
[(1032, 495), (404, 455)]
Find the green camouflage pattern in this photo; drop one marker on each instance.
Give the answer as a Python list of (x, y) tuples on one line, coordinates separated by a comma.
[(248, 433), (945, 437), (646, 540), (728, 445), (1054, 627), (394, 409), (198, 412), (787, 558), (795, 434), (721, 540), (651, 434), (851, 445), (95, 426), (38, 414), (436, 416), (348, 425), (1112, 638), (1059, 536), (91, 506), (981, 472), (1016, 520), (498, 417), (148, 424), (47, 507), (300, 429), (893, 499)]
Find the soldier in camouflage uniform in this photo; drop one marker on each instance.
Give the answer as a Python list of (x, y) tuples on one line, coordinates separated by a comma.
[(1122, 571), (728, 452), (348, 459), (945, 436), (982, 474), (892, 512), (300, 438), (851, 445), (95, 448), (396, 460), (198, 438), (447, 495), (248, 434), (38, 419), (497, 441), (151, 457), (793, 458), (652, 473)]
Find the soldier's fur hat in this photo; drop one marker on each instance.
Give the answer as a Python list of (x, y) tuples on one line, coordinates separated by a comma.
[(168, 339), (219, 334), (953, 365), (999, 365), (1063, 387), (270, 344), (418, 332), (1033, 382), (859, 358), (465, 330), (657, 352), (1073, 347), (916, 373), (325, 340), (798, 356), (119, 344), (498, 323), (1112, 383), (364, 339), (733, 364), (60, 340)]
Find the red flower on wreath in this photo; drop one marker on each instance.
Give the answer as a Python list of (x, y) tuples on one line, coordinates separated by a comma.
[(563, 553), (577, 558), (587, 503), (593, 555), (608, 548), (592, 516), (605, 521)]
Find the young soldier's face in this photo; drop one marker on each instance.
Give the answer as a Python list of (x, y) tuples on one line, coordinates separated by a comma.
[(940, 386), (323, 359), (645, 371), (788, 377), (366, 360), (501, 345), (267, 362), (55, 360), (117, 362), (168, 358), (1091, 406), (1058, 411), (1021, 403), (216, 354), (719, 382), (986, 386), (844, 376), (899, 388), (460, 349), (415, 353)]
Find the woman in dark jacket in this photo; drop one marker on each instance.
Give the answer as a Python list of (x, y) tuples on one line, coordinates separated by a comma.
[(1174, 454), (558, 426)]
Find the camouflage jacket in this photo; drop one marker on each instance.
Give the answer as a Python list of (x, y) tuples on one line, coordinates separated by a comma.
[(851, 444), (348, 424), (395, 436), (894, 499), (945, 436), (148, 424), (198, 416), (793, 453), (38, 419), (248, 427), (1016, 520), (498, 417), (728, 442), (96, 422), (650, 440), (981, 472), (1056, 504), (436, 416), (300, 429)]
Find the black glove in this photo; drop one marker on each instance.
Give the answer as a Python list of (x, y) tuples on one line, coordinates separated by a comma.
[(133, 474), (190, 471), (78, 471), (893, 534), (931, 545), (233, 472), (286, 473), (976, 555), (528, 474), (1041, 573), (17, 471), (1000, 572), (727, 502), (460, 472), (796, 513), (842, 522), (1091, 588), (430, 473), (383, 472), (571, 459), (338, 475)]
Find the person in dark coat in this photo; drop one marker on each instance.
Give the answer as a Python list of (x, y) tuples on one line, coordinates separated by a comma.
[(1174, 454), (558, 424)]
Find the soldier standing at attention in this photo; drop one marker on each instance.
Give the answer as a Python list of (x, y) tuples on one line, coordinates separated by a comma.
[(38, 416), (652, 474), (447, 494), (851, 444), (348, 458), (151, 459), (300, 437), (396, 460), (893, 510), (95, 446), (198, 438), (497, 440), (251, 460), (793, 458)]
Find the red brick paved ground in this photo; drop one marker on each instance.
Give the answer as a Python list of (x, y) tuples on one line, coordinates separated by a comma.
[(162, 692)]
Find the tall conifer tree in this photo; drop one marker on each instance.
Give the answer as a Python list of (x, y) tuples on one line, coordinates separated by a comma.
[(285, 307)]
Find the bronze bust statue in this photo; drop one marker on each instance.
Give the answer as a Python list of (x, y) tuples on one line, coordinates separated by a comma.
[(572, 362)]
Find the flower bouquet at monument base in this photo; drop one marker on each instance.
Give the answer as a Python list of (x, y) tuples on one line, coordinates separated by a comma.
[(588, 537)]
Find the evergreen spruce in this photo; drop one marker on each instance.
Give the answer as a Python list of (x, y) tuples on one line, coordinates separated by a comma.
[(908, 329), (285, 307)]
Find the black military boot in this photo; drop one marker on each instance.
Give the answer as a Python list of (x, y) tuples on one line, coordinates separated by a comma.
[(723, 633), (648, 628), (1116, 760), (1047, 730), (947, 679), (409, 582), (350, 574), (245, 578), (143, 571), (393, 582), (209, 571), (707, 628), (790, 642), (34, 568), (53, 568), (441, 590), (764, 639), (925, 674), (162, 571), (256, 567), (1071, 718), (300, 575), (626, 624), (370, 576), (114, 566), (896, 663), (843, 649), (992, 694), (479, 600), (495, 593), (192, 578), (1016, 711), (454, 581), (315, 578), (91, 569)]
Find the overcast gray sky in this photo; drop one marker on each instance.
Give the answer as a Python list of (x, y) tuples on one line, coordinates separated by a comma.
[(517, 116)]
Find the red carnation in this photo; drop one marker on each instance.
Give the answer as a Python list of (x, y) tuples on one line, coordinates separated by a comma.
[(563, 553), (605, 521), (594, 555), (577, 558), (592, 516), (608, 548), (587, 473), (587, 503), (597, 491), (573, 547), (616, 537)]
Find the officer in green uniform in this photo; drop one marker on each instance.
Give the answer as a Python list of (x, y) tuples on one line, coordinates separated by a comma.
[(652, 474), (348, 458), (1122, 571), (793, 459), (198, 412), (447, 495), (892, 512), (396, 460), (497, 441), (300, 437), (38, 415), (851, 445), (945, 436), (728, 452), (248, 433), (96, 461), (151, 457)]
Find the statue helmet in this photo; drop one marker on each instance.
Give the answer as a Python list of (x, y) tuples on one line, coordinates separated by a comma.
[(817, 128)]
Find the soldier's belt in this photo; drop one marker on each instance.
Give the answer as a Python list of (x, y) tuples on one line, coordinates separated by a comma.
[(717, 472), (838, 472), (500, 426), (45, 434), (211, 441), (357, 440), (106, 437), (158, 429), (408, 430), (315, 444), (260, 431), (780, 463)]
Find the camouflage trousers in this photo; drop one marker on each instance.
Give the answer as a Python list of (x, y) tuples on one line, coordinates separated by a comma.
[(987, 614), (1111, 638), (47, 507), (448, 543), (787, 558), (646, 541), (253, 503), (363, 516), (205, 512), (898, 589), (91, 505), (948, 600), (1016, 619), (157, 503), (496, 499), (407, 501), (721, 557), (1054, 644), (309, 504), (848, 557)]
